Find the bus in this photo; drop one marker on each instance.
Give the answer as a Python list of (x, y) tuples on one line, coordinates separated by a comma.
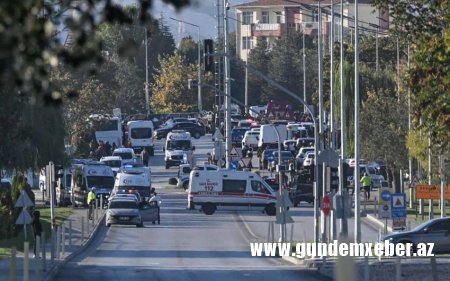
[(107, 128)]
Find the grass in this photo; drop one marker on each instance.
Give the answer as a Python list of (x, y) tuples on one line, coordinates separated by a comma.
[(411, 213), (6, 244)]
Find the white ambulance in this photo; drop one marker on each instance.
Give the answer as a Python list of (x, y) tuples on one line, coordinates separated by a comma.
[(229, 189), (88, 174), (178, 149), (132, 180)]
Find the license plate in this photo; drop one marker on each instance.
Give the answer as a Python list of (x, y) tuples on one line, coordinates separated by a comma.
[(123, 218)]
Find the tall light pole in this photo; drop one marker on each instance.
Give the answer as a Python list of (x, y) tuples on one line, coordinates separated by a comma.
[(342, 176), (226, 6), (199, 71), (357, 138), (320, 70), (304, 68), (147, 94), (332, 78)]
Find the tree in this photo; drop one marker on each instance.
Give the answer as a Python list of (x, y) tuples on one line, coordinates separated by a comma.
[(170, 91), (425, 24)]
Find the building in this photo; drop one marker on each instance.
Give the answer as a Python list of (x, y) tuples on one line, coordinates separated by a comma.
[(269, 19)]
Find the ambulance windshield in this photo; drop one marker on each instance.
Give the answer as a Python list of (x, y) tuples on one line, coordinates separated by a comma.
[(178, 145)]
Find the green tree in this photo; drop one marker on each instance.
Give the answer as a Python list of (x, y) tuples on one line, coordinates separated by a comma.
[(170, 91)]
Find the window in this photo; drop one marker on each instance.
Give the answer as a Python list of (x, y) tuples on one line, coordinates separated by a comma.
[(236, 186), (265, 17), (247, 43), (280, 17), (439, 226), (258, 186), (141, 133), (247, 17)]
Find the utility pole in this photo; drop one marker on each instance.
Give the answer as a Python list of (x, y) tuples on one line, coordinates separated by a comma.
[(342, 176), (304, 68), (332, 136), (147, 94), (320, 54), (357, 138), (227, 81)]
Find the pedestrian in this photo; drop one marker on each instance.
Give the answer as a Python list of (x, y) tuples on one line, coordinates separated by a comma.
[(91, 202), (154, 197), (144, 157), (114, 146), (37, 229), (108, 148), (366, 182)]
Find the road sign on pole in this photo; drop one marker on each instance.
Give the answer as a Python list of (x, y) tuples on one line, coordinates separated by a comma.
[(326, 205)]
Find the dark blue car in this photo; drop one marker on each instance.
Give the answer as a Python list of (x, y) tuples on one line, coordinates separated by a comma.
[(237, 134)]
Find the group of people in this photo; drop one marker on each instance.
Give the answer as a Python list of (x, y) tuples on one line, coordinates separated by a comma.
[(100, 149)]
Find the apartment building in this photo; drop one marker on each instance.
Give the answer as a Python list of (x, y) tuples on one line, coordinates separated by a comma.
[(269, 19)]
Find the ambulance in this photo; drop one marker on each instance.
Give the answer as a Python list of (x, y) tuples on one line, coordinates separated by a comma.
[(132, 181), (89, 174), (178, 148), (230, 189)]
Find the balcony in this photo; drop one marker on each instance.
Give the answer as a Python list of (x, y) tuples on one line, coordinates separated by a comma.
[(268, 29)]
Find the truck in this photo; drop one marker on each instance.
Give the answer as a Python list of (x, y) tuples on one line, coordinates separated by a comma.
[(268, 135), (140, 136), (178, 148), (87, 175), (279, 110), (107, 128)]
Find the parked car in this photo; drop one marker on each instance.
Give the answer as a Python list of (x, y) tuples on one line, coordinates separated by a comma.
[(196, 130), (123, 211), (435, 231), (301, 192), (309, 159), (126, 154), (250, 139), (237, 135), (267, 153), (286, 159), (301, 155)]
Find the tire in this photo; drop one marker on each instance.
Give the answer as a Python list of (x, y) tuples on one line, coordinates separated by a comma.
[(197, 135), (186, 185), (108, 225), (271, 210), (209, 208)]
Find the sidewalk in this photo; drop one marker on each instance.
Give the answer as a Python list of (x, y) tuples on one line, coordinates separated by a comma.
[(45, 269)]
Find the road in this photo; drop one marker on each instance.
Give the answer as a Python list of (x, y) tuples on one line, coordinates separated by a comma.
[(188, 245)]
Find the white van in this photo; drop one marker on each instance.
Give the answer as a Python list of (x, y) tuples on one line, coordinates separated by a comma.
[(185, 171), (229, 189), (268, 135), (132, 180), (178, 149), (87, 175), (140, 135)]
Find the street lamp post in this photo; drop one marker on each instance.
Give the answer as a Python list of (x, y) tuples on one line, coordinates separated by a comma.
[(147, 95), (199, 73)]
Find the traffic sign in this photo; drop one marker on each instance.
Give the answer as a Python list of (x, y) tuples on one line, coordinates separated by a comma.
[(246, 161), (233, 153), (399, 223), (24, 200), (384, 211), (24, 217), (386, 195), (217, 135), (326, 205), (425, 191), (234, 165), (270, 158), (398, 201), (259, 152)]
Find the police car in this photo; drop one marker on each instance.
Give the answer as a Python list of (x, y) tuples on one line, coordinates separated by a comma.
[(178, 148)]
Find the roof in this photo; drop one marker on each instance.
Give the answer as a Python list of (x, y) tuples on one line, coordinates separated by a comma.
[(293, 3)]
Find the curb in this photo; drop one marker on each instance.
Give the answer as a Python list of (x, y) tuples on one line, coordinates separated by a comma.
[(55, 269), (378, 222)]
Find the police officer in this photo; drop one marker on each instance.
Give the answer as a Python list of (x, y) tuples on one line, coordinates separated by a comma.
[(91, 202)]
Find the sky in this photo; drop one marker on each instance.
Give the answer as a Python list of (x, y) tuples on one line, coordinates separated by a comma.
[(201, 13)]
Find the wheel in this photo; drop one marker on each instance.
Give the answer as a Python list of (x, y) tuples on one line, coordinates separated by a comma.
[(209, 208), (271, 210), (186, 185), (108, 225), (197, 135), (140, 224)]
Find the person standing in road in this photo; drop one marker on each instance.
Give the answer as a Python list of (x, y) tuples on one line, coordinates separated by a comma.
[(144, 157), (154, 197), (37, 229), (366, 182), (91, 202)]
